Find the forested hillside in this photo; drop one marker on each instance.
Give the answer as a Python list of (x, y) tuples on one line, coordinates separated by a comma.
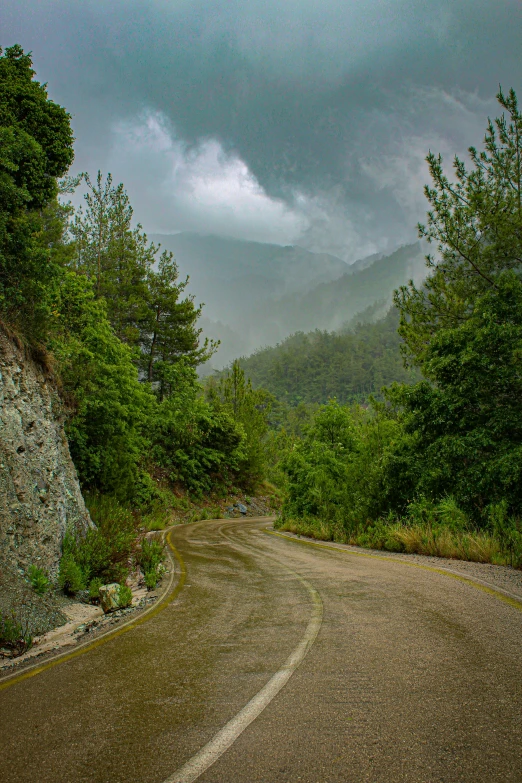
[(348, 365)]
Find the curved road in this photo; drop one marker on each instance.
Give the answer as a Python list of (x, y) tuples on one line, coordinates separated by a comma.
[(283, 662)]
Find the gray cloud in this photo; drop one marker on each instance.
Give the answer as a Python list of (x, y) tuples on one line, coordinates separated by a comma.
[(280, 119)]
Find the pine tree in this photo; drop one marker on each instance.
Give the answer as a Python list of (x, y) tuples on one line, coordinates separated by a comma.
[(475, 221)]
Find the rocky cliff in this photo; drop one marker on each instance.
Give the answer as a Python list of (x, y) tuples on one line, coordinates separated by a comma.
[(40, 495)]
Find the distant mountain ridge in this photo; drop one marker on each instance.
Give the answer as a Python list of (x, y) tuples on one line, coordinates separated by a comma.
[(257, 294), (223, 269)]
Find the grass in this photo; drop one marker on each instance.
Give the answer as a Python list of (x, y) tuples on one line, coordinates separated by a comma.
[(435, 541)]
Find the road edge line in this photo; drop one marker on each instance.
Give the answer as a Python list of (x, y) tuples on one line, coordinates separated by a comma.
[(486, 587)]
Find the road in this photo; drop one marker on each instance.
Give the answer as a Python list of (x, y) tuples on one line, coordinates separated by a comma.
[(283, 662)]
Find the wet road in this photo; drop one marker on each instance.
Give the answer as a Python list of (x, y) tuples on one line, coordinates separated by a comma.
[(368, 670)]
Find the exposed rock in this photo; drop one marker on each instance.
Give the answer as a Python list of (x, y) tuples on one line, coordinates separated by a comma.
[(110, 597), (241, 508), (40, 496)]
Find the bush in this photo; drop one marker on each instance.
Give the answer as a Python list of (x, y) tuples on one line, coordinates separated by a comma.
[(14, 634), (125, 596), (150, 558), (107, 551), (71, 577), (94, 588), (151, 580), (39, 580)]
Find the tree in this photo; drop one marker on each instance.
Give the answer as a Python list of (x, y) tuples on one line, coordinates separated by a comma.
[(248, 407), (170, 326), (113, 255), (36, 147), (475, 221), (466, 425)]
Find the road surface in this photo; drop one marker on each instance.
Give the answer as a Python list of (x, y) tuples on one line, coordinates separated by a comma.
[(282, 661)]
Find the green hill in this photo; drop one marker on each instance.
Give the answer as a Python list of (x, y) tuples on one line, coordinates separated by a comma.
[(319, 365)]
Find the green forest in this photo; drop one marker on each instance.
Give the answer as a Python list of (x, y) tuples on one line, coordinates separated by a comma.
[(403, 434), (348, 365)]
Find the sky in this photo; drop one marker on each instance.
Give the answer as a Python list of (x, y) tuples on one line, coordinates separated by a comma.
[(287, 121)]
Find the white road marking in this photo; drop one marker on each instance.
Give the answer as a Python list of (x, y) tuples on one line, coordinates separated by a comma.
[(236, 726)]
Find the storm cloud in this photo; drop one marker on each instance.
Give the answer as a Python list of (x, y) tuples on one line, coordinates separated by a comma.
[(281, 120)]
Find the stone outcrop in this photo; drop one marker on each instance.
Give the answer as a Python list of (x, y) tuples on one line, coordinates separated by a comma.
[(40, 495)]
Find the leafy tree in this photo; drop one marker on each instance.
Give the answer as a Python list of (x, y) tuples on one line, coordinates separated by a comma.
[(200, 446), (110, 408), (36, 147), (466, 426), (113, 255), (475, 221)]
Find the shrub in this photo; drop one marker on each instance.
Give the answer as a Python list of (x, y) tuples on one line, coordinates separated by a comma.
[(106, 551), (151, 579), (39, 580), (94, 588), (71, 577), (150, 555), (125, 596), (14, 634)]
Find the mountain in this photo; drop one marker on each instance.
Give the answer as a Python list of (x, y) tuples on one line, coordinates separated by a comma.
[(257, 294), (231, 275), (330, 305), (317, 366)]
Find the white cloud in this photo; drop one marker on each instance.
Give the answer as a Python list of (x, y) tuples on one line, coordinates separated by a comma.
[(196, 188)]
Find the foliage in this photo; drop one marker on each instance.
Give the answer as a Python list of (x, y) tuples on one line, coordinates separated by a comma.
[(232, 395), (110, 407), (39, 580), (94, 588), (35, 149), (466, 426), (104, 553), (124, 596), (348, 365), (14, 634), (71, 577), (475, 222), (150, 558)]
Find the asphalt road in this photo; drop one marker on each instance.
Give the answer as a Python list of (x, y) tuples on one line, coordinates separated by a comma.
[(283, 662)]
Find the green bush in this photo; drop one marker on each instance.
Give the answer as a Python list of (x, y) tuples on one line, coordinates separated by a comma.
[(125, 596), (71, 577), (94, 588), (150, 558), (39, 580), (14, 634), (151, 579)]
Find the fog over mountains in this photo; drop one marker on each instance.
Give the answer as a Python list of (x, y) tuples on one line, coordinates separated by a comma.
[(256, 294)]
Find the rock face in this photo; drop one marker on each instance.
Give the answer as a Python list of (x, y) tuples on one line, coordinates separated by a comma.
[(40, 495)]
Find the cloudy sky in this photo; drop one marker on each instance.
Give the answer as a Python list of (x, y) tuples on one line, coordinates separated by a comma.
[(274, 120)]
